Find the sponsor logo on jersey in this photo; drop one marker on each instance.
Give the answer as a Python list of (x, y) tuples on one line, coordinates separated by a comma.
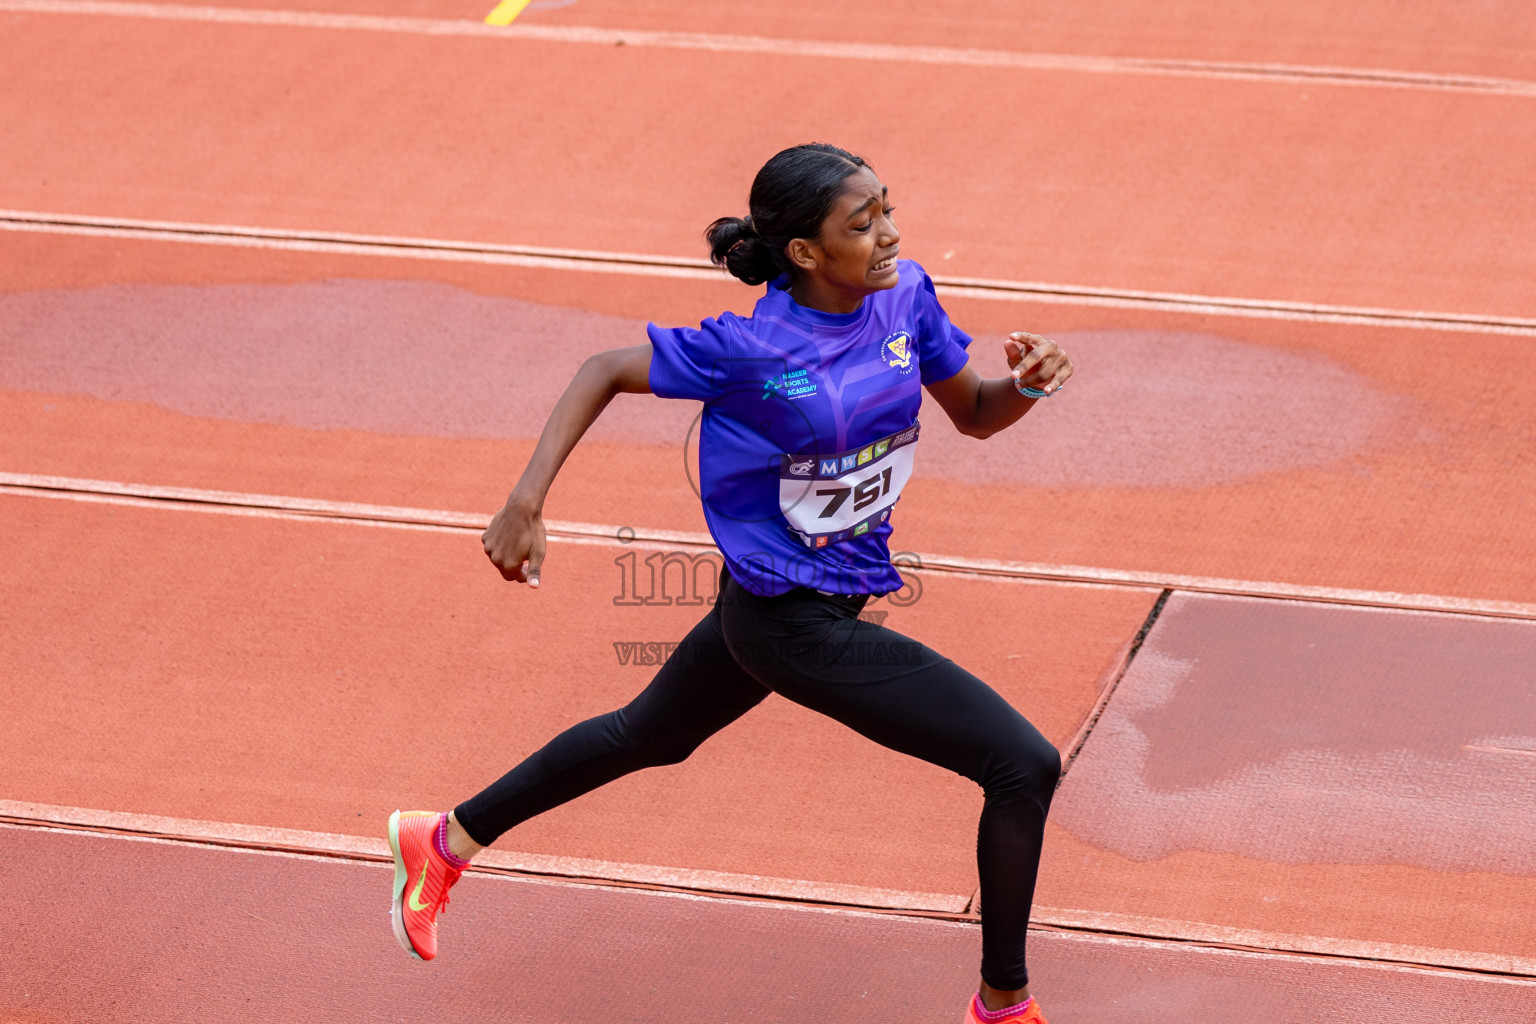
[(899, 351), (881, 447), (861, 529), (850, 461), (829, 467), (866, 454), (802, 468), (821, 542), (792, 384)]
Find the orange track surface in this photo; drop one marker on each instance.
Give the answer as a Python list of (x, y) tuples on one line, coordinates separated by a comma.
[(1487, 38), (228, 669), (1100, 180), (1447, 477), (257, 671), (1292, 768), (167, 918)]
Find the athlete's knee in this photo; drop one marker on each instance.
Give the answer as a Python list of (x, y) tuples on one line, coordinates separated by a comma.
[(665, 750), (1048, 764), (647, 745), (1026, 764)]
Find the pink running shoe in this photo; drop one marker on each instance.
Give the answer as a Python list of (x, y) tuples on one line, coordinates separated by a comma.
[(1031, 1014), (422, 881)]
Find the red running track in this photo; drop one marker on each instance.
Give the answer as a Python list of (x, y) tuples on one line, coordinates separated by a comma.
[(1413, 198), (196, 933), (1153, 183), (1281, 767), (1490, 38), (1305, 453), (318, 675)]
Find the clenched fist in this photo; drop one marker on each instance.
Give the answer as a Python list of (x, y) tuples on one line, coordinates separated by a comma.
[(514, 542), (1037, 362)]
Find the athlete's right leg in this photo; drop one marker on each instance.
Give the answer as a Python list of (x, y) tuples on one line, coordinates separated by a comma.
[(699, 691), (814, 650)]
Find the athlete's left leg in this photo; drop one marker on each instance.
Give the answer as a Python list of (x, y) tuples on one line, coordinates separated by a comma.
[(696, 693), (699, 691), (815, 651)]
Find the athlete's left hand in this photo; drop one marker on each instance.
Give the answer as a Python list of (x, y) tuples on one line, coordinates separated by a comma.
[(1037, 362)]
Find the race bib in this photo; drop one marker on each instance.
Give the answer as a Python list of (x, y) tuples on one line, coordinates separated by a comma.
[(830, 498)]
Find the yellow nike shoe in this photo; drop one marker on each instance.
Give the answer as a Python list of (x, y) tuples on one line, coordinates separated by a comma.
[(422, 881)]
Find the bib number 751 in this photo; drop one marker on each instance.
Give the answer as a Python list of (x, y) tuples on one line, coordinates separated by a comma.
[(865, 493)]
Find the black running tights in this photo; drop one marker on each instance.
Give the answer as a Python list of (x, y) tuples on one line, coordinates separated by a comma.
[(813, 649)]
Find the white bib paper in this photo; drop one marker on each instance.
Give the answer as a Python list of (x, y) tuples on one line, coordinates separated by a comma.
[(830, 498)]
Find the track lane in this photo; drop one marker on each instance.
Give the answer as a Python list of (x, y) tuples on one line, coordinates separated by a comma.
[(1499, 424), (284, 129), (682, 268), (288, 507), (1287, 768), (317, 675), (887, 53), (1432, 499), (226, 948), (1487, 38)]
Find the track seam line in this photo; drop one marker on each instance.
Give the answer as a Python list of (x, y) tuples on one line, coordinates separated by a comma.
[(320, 510), (593, 881), (1518, 970), (644, 264), (722, 884), (1080, 931), (1122, 666), (724, 43), (1099, 707)]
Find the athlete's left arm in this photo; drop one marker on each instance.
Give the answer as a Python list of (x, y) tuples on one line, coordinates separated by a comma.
[(981, 407)]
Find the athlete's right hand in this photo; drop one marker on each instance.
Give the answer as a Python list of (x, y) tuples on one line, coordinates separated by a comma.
[(514, 542)]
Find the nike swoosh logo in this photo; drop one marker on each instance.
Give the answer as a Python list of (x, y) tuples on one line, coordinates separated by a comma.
[(415, 901)]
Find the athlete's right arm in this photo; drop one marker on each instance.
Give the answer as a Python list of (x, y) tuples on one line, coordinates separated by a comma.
[(514, 541)]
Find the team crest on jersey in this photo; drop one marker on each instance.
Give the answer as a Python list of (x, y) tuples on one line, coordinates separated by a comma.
[(899, 351)]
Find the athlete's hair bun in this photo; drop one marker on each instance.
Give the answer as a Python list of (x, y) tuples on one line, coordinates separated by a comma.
[(791, 196), (735, 245)]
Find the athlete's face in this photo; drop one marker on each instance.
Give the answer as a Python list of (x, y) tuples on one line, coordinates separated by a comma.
[(856, 251)]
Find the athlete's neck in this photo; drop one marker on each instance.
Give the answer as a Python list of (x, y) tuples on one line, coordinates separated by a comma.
[(814, 293)]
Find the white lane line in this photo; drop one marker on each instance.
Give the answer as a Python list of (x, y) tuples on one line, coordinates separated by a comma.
[(1485, 749), (1200, 931), (1211, 305), (377, 848), (714, 43), (311, 509), (937, 919), (340, 244), (581, 534), (220, 508), (1074, 925), (648, 265), (1385, 599)]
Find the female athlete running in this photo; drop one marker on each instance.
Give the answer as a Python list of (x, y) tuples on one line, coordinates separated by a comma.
[(807, 438)]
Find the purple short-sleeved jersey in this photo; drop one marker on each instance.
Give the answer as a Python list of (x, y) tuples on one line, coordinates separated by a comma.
[(809, 427)]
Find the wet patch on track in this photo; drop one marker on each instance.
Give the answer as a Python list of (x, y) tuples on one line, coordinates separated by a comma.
[(1299, 734), (1147, 408)]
